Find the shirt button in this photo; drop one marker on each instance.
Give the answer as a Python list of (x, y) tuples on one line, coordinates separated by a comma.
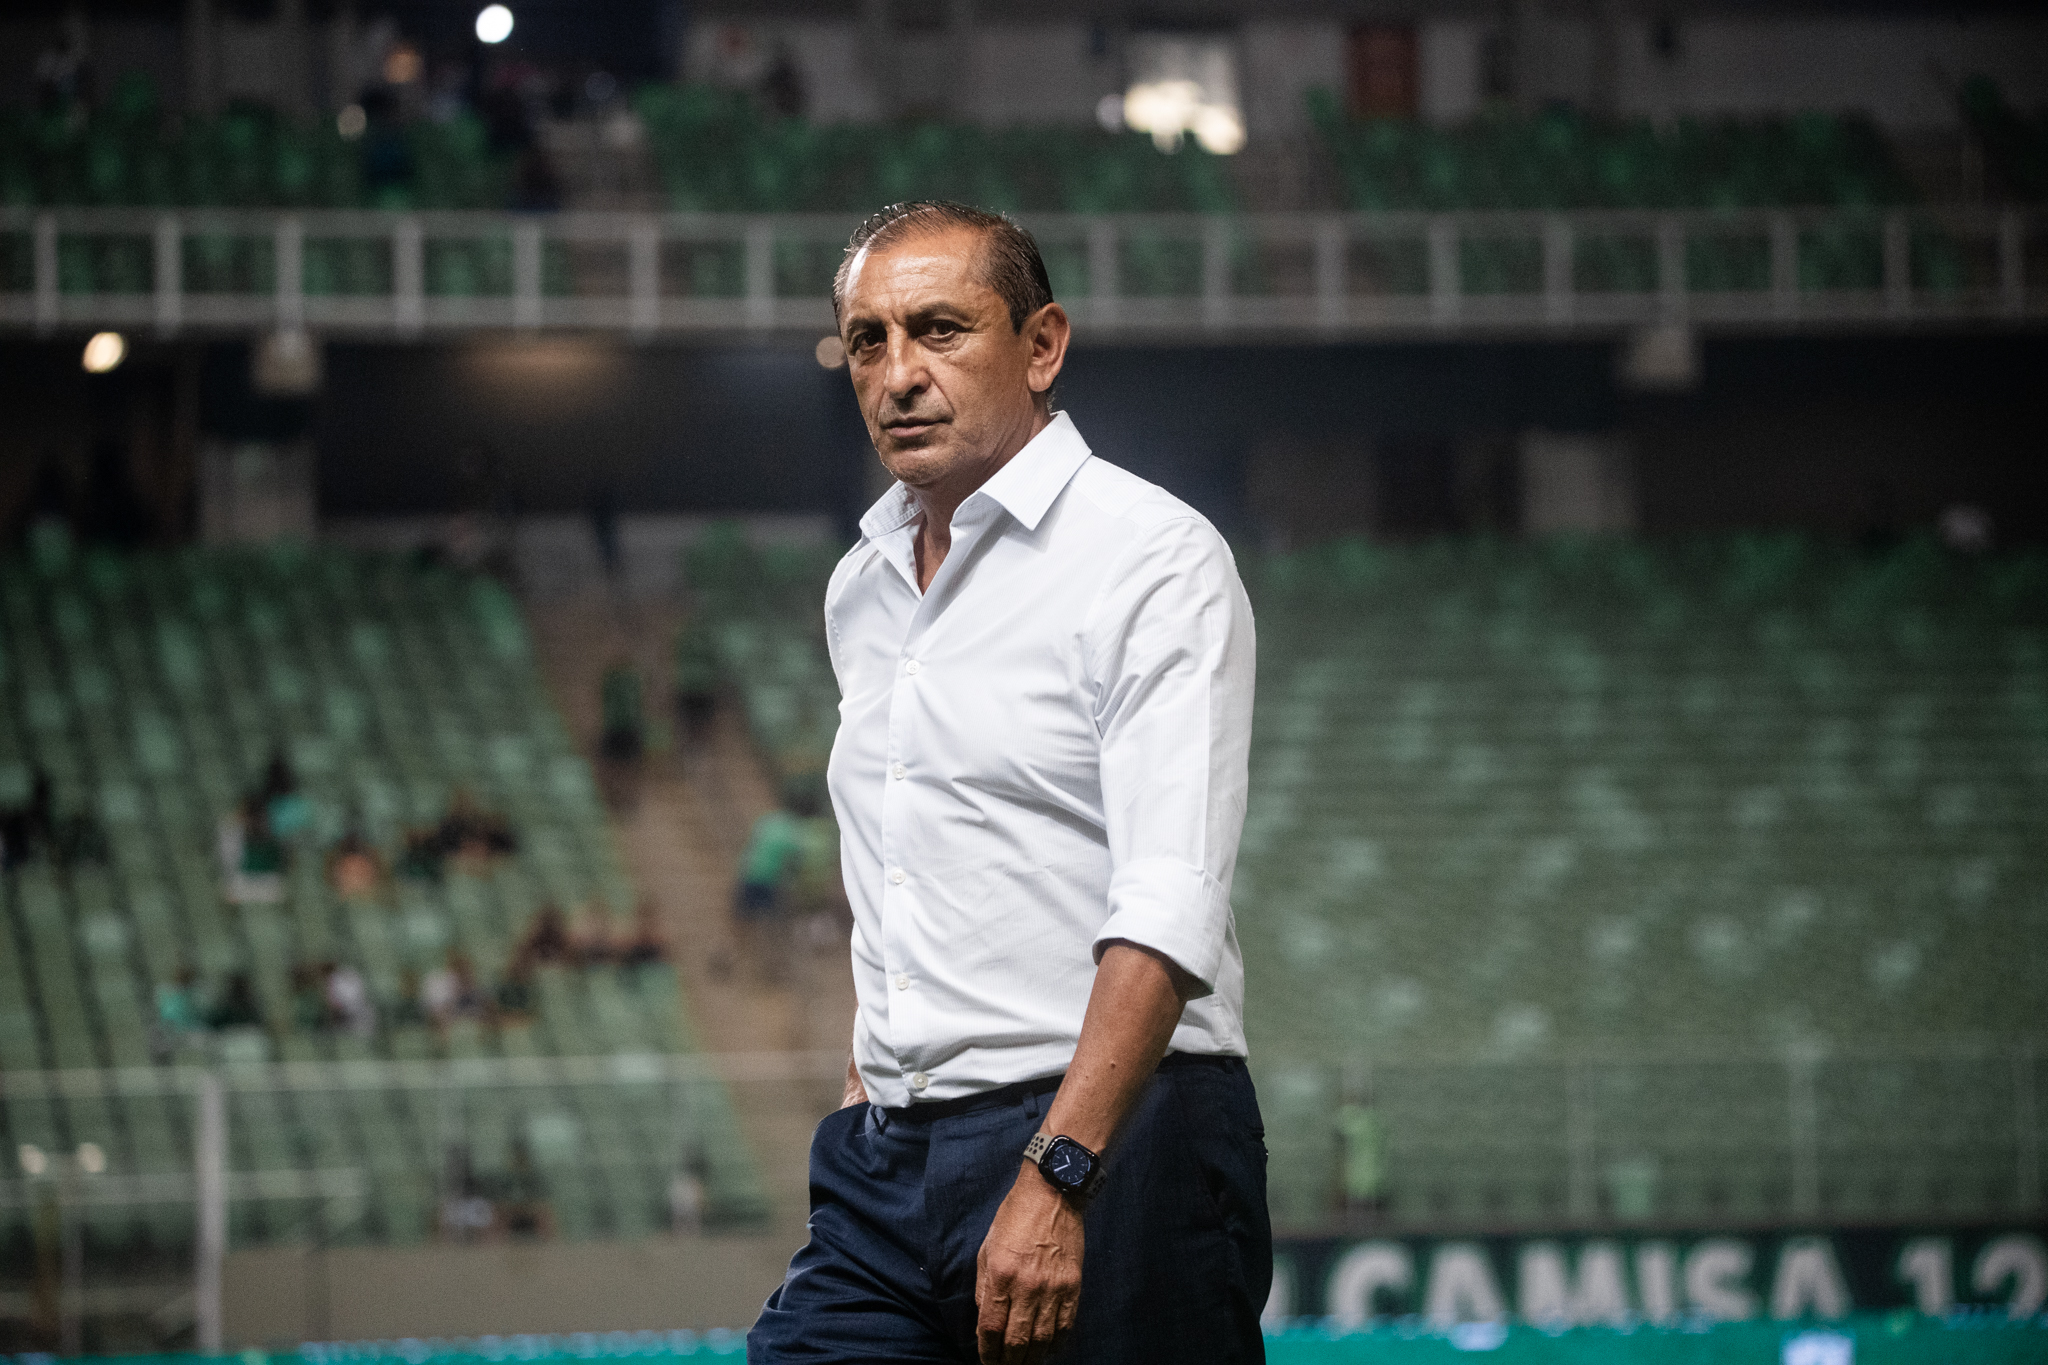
[(918, 1080), (911, 668), (898, 772), (897, 876), (903, 981)]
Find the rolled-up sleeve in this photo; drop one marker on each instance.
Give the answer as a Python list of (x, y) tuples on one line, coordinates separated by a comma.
[(1171, 656)]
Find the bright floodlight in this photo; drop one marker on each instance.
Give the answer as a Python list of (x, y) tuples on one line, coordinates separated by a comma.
[(104, 352), (493, 24)]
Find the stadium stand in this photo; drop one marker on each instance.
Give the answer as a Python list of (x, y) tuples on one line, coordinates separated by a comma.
[(1561, 159), (1588, 880), (152, 690), (1691, 808)]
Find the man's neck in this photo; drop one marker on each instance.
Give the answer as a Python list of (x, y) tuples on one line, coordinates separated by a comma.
[(937, 504)]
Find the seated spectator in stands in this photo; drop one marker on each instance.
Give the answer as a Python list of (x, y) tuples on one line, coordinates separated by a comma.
[(287, 808), (696, 681), (513, 1001), (522, 1196), (237, 1007), (472, 834), (349, 1007), (623, 731), (252, 857), (177, 1004), (448, 993), (547, 937), (309, 997), (353, 868), (774, 852), (421, 857), (646, 944), (592, 941), (36, 828)]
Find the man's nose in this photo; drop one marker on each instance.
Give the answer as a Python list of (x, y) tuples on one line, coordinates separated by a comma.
[(903, 371)]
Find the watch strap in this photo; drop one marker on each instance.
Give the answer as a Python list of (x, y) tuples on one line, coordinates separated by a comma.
[(1035, 1152)]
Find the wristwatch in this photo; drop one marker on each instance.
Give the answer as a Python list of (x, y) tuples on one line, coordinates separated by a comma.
[(1067, 1166)]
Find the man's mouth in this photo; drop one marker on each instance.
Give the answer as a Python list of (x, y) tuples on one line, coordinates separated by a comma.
[(905, 428)]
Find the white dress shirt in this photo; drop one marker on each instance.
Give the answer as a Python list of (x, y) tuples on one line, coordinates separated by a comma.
[(1044, 752)]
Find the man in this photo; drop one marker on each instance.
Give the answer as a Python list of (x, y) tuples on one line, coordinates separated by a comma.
[(1046, 666)]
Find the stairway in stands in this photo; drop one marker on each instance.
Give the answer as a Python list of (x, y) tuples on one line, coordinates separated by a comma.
[(681, 824)]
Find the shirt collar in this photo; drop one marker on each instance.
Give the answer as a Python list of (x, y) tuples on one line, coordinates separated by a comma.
[(1025, 487)]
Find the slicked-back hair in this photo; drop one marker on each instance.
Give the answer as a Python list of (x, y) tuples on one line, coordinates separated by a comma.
[(1010, 263)]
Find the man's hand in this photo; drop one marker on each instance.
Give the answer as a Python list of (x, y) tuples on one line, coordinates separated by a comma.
[(1027, 1281)]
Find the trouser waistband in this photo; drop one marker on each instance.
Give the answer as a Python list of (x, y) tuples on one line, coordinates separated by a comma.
[(1018, 1091)]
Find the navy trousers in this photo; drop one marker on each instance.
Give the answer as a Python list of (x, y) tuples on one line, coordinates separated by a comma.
[(1178, 1256)]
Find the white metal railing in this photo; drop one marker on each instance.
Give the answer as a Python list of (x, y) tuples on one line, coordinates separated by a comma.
[(1159, 278)]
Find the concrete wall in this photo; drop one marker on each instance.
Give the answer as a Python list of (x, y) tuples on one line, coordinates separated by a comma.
[(284, 1295)]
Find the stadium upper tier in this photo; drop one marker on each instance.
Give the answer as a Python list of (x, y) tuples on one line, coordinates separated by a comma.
[(154, 921), (1610, 881)]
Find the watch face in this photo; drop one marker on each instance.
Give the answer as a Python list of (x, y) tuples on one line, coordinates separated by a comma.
[(1069, 1164)]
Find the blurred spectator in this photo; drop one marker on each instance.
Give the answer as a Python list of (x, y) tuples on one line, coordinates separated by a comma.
[(285, 806), (513, 1001), (624, 724), (63, 75), (468, 833), (349, 1007), (647, 943), (1363, 1140), (25, 830), (449, 992), (696, 681), (35, 828), (251, 856), (177, 1005), (773, 854), (522, 1196), (547, 936), (353, 867), (686, 1199), (466, 1212), (237, 1007), (472, 833), (782, 89)]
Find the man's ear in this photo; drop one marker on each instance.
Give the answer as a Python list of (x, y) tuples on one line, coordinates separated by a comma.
[(1046, 334)]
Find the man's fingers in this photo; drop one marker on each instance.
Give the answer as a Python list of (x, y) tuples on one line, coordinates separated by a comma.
[(991, 1322), (1019, 1347)]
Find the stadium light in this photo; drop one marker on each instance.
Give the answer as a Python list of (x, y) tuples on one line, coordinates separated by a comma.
[(493, 24), (105, 351)]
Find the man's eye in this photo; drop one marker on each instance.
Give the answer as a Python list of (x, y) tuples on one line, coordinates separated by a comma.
[(944, 329)]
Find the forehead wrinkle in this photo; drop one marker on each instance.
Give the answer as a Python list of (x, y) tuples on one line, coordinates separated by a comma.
[(920, 264)]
